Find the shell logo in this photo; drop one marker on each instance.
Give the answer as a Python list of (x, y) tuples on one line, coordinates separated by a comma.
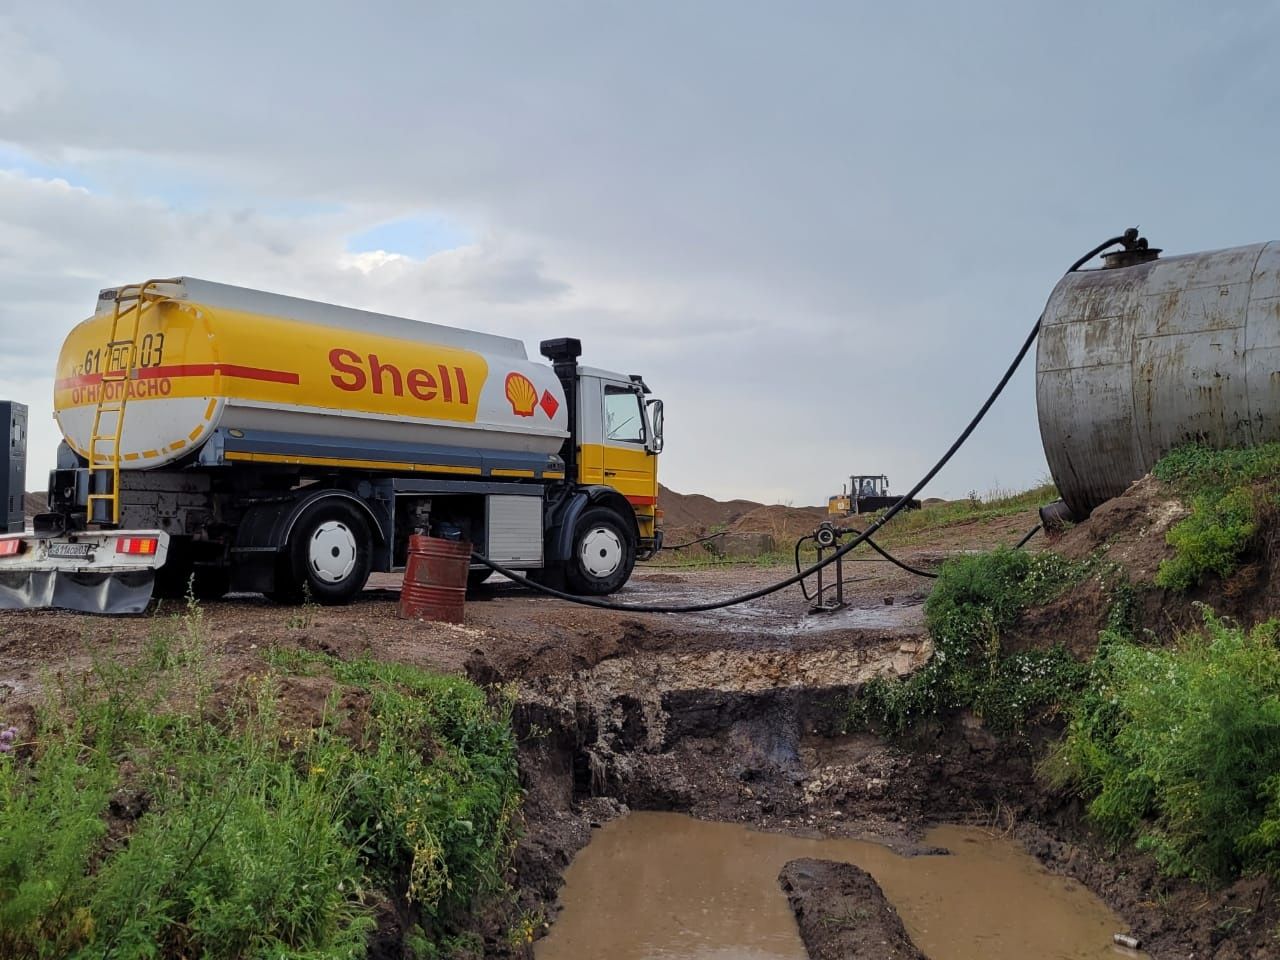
[(522, 394)]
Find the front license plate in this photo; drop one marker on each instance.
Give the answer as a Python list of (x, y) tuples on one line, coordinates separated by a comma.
[(78, 551)]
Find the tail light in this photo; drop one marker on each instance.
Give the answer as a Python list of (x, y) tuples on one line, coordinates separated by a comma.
[(11, 548), (137, 546)]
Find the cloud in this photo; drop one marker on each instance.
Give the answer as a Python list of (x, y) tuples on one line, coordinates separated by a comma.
[(27, 77), (819, 237)]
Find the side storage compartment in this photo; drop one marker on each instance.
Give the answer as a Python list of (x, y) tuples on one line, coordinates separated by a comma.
[(514, 530)]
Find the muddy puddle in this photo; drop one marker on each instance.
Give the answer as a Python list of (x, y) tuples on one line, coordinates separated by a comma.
[(785, 613), (662, 885)]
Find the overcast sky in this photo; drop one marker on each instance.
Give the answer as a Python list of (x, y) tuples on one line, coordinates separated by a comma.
[(818, 230)]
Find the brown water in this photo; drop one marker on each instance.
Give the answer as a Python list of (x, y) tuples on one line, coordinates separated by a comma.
[(663, 885)]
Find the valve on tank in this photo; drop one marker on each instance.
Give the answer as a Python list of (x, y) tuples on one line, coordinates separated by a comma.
[(1134, 250)]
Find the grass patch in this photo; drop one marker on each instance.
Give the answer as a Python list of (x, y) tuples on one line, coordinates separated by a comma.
[(431, 800), (905, 528), (138, 820), (911, 524), (1230, 493), (1178, 749), (975, 599)]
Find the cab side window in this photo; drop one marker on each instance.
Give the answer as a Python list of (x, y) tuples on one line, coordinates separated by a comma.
[(623, 415)]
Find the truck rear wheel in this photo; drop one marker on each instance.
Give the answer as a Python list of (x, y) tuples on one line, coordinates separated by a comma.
[(604, 553), (328, 556)]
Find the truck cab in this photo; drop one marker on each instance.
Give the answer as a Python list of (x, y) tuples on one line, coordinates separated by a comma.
[(611, 459), (619, 441)]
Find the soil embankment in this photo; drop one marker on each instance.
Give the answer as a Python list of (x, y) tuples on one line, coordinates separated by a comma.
[(739, 715), (843, 914)]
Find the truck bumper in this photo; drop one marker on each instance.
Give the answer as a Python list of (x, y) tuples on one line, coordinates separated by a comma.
[(110, 572)]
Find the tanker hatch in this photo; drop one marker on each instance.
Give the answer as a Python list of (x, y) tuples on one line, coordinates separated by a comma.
[(1134, 251)]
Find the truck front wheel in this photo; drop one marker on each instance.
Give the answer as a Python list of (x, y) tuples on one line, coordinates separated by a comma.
[(328, 556), (604, 553)]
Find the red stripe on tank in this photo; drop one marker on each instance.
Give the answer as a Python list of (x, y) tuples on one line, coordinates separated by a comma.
[(178, 370)]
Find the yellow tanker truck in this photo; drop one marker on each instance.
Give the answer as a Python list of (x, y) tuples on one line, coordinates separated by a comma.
[(229, 439)]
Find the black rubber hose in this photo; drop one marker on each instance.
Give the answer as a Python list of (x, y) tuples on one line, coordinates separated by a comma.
[(803, 588), (899, 563), (1030, 533), (889, 514), (681, 546)]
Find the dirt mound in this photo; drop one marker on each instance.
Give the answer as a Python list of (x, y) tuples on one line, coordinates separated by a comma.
[(690, 516), (33, 503), (1130, 529), (697, 511), (780, 522), (1128, 532), (1130, 535), (843, 914)]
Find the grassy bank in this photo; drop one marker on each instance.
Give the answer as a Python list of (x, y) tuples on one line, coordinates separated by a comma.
[(974, 601), (1234, 498), (153, 811), (1177, 749), (911, 525), (1174, 748)]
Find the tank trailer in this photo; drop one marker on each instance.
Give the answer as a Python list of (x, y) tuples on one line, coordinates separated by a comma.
[(217, 438)]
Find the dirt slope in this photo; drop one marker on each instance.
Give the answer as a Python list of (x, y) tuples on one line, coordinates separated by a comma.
[(739, 715), (1130, 532), (687, 516)]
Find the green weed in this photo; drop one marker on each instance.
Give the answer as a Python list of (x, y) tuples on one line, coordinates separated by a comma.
[(1178, 749), (975, 599), (243, 853), (51, 823), (244, 836), (1229, 493), (432, 800)]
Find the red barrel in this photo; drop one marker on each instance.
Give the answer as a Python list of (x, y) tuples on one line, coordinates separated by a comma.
[(435, 579)]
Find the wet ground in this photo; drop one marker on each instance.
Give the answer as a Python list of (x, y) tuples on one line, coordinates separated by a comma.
[(508, 632), (735, 716)]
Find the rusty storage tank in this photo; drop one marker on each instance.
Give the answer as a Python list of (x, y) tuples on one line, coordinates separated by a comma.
[(1149, 352)]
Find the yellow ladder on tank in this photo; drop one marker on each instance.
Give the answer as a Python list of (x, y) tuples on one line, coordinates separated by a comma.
[(120, 358)]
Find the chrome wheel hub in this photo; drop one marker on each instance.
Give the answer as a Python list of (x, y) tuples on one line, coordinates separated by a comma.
[(332, 552), (601, 552)]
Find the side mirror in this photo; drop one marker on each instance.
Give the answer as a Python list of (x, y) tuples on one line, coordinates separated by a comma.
[(655, 420)]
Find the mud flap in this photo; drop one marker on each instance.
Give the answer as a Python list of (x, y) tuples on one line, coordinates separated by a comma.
[(111, 593)]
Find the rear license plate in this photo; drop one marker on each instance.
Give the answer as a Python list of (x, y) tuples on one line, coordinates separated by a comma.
[(77, 551)]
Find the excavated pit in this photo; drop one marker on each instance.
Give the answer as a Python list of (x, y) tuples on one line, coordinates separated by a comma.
[(754, 735), (734, 716)]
